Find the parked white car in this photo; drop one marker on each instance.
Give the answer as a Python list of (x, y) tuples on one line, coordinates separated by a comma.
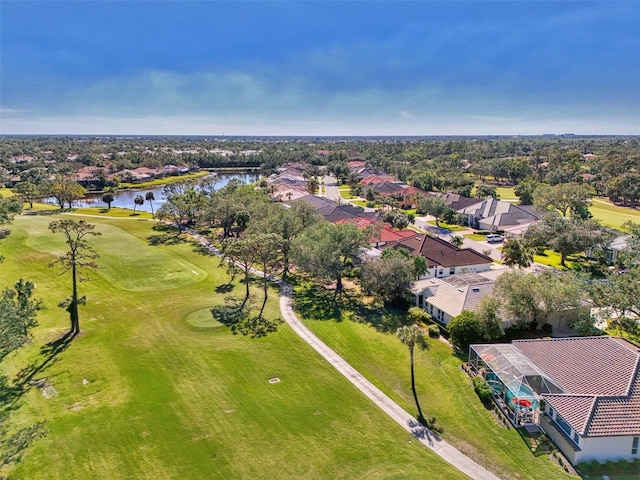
[(494, 238)]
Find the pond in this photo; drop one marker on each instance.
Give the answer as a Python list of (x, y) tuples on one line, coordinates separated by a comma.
[(125, 198)]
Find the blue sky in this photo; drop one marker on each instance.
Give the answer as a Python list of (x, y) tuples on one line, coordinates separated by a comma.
[(320, 68)]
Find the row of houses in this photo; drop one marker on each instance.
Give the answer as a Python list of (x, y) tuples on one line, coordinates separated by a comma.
[(584, 393)]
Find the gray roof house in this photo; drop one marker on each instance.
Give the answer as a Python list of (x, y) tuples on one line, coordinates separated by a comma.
[(446, 298), (492, 214)]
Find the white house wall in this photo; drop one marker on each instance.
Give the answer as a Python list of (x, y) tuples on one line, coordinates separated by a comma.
[(606, 448), (442, 272)]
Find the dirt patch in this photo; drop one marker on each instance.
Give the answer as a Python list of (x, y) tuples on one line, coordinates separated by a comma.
[(46, 387)]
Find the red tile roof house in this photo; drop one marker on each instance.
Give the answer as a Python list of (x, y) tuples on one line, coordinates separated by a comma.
[(386, 232), (443, 258), (376, 179), (584, 392)]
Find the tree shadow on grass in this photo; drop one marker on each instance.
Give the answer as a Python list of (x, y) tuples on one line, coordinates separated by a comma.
[(202, 249), (168, 235), (225, 288), (315, 302), (26, 377), (239, 317)]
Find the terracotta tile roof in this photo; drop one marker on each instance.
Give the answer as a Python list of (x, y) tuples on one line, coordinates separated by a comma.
[(600, 376), (575, 409), (585, 365), (387, 232)]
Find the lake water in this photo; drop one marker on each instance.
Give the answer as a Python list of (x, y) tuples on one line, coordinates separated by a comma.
[(125, 198)]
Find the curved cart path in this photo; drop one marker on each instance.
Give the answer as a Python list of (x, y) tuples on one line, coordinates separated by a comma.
[(391, 408), (407, 421)]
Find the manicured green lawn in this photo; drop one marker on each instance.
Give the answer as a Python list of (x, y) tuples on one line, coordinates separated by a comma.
[(444, 392), (155, 389), (448, 226), (164, 181), (612, 215), (476, 236), (345, 192), (506, 193)]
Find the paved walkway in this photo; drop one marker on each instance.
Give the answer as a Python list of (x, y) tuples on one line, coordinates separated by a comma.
[(407, 421)]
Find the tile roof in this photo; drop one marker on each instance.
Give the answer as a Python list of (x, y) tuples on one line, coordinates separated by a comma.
[(455, 294), (439, 252), (600, 378), (386, 234), (585, 365)]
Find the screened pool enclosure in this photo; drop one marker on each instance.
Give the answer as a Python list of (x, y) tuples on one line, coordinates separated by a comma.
[(516, 382)]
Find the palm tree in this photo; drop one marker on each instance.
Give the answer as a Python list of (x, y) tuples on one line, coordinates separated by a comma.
[(457, 241), (139, 200), (150, 197), (412, 335), (312, 185)]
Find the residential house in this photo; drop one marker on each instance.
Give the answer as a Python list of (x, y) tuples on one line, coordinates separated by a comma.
[(442, 257), (492, 214), (385, 233), (446, 298), (584, 392)]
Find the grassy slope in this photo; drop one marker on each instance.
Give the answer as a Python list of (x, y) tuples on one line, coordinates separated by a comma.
[(612, 215), (165, 399), (445, 392)]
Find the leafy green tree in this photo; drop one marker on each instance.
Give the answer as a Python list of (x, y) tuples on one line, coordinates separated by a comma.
[(524, 190), (484, 190), (65, 190), (108, 197), (240, 252), (396, 219), (18, 311), (420, 266), (287, 223), (80, 256), (184, 204), (566, 198), (531, 297), (9, 208), (327, 250), (434, 206), (389, 277), (516, 253), (465, 329), (413, 336), (312, 185), (457, 241), (567, 236), (28, 192), (267, 250), (488, 314)]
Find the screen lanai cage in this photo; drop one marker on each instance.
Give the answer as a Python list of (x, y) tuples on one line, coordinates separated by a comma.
[(516, 382)]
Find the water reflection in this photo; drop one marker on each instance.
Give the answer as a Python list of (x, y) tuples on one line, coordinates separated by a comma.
[(125, 198)]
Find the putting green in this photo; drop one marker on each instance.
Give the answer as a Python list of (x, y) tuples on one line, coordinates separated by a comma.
[(202, 319)]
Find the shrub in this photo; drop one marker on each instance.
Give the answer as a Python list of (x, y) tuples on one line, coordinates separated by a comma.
[(434, 331), (482, 388)]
